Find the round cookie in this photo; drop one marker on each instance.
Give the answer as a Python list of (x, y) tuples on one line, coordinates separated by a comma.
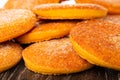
[(112, 18), (10, 55), (15, 22), (54, 57), (69, 11), (47, 31), (98, 41), (26, 4), (113, 6)]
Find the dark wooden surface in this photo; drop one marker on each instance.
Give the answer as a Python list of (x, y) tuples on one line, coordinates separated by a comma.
[(20, 72)]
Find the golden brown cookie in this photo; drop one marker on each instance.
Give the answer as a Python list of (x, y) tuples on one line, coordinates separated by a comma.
[(15, 22), (54, 57), (98, 41), (112, 18), (69, 11), (113, 6), (26, 4), (47, 31), (10, 55)]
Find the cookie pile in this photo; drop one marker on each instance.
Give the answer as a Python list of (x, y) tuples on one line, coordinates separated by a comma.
[(63, 38)]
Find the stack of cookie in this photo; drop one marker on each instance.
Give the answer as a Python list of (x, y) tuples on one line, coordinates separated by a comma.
[(63, 38)]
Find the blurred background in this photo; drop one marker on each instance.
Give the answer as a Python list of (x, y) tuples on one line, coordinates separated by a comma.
[(2, 2)]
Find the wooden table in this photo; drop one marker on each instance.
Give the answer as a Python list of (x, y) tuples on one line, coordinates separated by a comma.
[(20, 72)]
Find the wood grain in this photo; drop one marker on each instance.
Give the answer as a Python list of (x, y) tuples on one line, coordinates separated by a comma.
[(20, 72)]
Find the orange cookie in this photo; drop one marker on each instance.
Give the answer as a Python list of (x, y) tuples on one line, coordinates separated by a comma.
[(113, 6), (54, 57), (10, 55), (69, 11), (15, 22), (26, 4), (98, 41), (112, 18), (47, 31)]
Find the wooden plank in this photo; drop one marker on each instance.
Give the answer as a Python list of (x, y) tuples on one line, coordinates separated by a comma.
[(111, 74), (20, 72)]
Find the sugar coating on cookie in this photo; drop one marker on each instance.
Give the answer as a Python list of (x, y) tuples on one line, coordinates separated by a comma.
[(54, 57), (113, 6), (98, 41), (47, 31), (112, 19), (69, 11), (26, 4), (10, 55), (15, 22)]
